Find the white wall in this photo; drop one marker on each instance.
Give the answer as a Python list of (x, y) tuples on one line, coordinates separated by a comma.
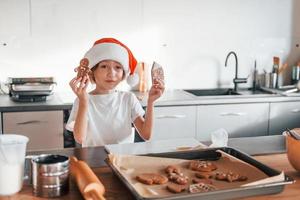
[(191, 38)]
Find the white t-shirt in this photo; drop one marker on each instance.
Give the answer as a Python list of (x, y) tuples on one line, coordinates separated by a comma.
[(109, 118)]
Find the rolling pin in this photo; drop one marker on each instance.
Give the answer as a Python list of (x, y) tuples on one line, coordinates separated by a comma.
[(88, 183)]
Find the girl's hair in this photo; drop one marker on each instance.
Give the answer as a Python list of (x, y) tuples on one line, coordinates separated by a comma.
[(92, 77)]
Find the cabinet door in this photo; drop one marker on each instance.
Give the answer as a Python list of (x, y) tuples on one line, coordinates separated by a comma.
[(0, 123), (284, 115), (44, 129), (239, 120), (174, 122)]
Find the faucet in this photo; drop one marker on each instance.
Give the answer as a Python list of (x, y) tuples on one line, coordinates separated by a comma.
[(236, 80)]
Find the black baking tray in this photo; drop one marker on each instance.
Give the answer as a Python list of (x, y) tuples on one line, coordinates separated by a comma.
[(211, 154)]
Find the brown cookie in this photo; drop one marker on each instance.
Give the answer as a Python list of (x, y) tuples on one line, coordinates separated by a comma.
[(175, 188), (204, 175), (83, 68), (221, 176), (202, 166), (172, 169), (202, 180), (152, 178), (201, 187), (230, 177), (179, 179), (242, 178)]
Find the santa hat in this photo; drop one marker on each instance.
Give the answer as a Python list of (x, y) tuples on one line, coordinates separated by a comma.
[(112, 49)]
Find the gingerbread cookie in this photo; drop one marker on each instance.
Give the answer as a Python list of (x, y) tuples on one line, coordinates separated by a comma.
[(175, 188), (202, 166), (205, 181), (175, 175), (172, 169), (152, 178), (230, 177), (204, 175), (83, 69), (178, 178), (201, 187), (157, 73)]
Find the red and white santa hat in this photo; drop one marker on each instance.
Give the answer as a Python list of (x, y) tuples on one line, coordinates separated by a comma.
[(112, 49)]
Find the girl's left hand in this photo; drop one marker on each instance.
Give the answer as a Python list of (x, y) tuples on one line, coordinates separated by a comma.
[(156, 90)]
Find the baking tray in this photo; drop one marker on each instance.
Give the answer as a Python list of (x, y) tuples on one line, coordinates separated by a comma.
[(211, 154)]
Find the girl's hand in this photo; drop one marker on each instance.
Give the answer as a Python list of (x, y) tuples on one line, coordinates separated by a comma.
[(79, 86), (156, 90)]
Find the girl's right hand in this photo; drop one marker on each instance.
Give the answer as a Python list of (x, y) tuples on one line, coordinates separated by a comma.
[(79, 86)]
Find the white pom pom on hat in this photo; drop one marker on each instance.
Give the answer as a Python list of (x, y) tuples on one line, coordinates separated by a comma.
[(112, 49)]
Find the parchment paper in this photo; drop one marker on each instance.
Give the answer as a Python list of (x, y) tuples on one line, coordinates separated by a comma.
[(130, 166)]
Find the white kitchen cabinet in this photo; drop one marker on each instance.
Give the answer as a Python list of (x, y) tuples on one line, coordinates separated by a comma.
[(0, 123), (239, 120), (284, 115), (43, 128), (174, 122)]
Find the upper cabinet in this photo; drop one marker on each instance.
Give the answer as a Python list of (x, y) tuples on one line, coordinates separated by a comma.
[(14, 19), (284, 115), (239, 120)]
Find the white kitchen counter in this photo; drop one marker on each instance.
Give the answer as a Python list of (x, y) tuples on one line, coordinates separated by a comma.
[(179, 97)]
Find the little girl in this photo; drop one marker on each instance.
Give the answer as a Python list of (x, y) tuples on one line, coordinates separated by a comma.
[(105, 115)]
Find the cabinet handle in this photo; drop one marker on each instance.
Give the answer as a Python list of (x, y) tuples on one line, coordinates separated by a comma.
[(31, 122), (295, 110), (233, 114), (170, 116)]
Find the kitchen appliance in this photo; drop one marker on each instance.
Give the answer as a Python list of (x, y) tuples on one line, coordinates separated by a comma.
[(50, 175), (33, 89)]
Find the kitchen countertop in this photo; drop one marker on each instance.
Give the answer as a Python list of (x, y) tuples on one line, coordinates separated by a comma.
[(116, 190), (177, 97), (53, 103)]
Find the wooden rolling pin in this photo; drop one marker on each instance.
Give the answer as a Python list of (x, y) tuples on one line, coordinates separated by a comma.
[(88, 183)]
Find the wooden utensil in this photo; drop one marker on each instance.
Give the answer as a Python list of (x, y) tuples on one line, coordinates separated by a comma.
[(88, 183)]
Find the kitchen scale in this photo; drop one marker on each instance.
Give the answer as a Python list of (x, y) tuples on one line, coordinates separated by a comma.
[(33, 89)]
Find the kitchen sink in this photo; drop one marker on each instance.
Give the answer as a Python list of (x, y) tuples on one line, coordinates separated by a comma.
[(257, 91), (212, 92)]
